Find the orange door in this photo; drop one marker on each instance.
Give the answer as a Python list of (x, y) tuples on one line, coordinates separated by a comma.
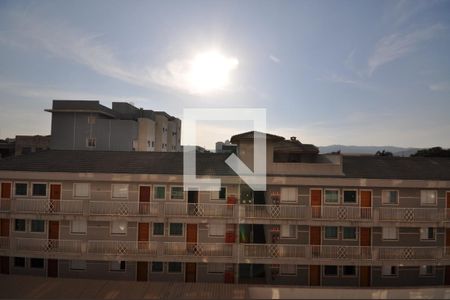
[(191, 236), (55, 196), (143, 231), (4, 265), (191, 272), (52, 268), (364, 276), (230, 235), (366, 204), (314, 275), (53, 230), (4, 227), (144, 199), (316, 202), (6, 190), (448, 204), (365, 236), (315, 240), (142, 271)]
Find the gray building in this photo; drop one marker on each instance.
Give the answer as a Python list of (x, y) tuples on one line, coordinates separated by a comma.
[(324, 220), (88, 125)]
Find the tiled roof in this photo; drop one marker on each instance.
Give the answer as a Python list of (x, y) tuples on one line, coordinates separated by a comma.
[(372, 167)]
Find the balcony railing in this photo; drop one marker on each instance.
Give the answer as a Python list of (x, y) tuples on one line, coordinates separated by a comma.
[(5, 205), (198, 249), (4, 243), (411, 214), (45, 245), (200, 210), (46, 206), (410, 253), (278, 212), (125, 208), (122, 248), (350, 213)]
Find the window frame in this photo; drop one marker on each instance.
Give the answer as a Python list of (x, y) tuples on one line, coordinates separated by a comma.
[(356, 197), (325, 196), (212, 194), (176, 235), (15, 189), (22, 258), (217, 235), (37, 259), (422, 274), (397, 233), (78, 269), (153, 270), (435, 197), (349, 239), (78, 232), (117, 184), (118, 233), (434, 230), (38, 196), (25, 225), (289, 237), (295, 189), (332, 275), (209, 271), (390, 275), (37, 232), (172, 272), (163, 228), (119, 269), (182, 192), (355, 274), (155, 187), (74, 194), (288, 273), (383, 200), (325, 235)]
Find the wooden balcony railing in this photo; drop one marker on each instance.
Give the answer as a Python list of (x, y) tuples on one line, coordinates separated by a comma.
[(198, 249), (411, 214), (118, 248), (45, 245), (47, 206)]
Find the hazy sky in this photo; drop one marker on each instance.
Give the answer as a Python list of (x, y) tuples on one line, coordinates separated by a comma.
[(348, 72)]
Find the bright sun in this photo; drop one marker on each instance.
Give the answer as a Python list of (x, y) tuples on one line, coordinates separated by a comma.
[(210, 71)]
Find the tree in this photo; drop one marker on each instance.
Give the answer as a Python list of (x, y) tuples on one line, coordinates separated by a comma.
[(432, 152)]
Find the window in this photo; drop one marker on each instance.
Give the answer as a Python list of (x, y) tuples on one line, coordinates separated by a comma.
[(117, 266), (289, 194), (174, 267), (288, 269), (426, 270), (158, 228), (390, 233), (160, 192), (157, 266), (331, 232), (288, 231), (217, 229), (389, 197), (332, 196), (78, 265), (19, 262), (21, 189), (428, 197), (91, 142), (330, 271), (349, 233), (37, 226), (350, 197), (120, 190), (389, 271), (19, 225), (176, 229), (215, 268), (81, 190), (176, 193), (219, 195), (348, 270), (36, 263), (39, 190), (78, 226), (119, 227), (427, 234)]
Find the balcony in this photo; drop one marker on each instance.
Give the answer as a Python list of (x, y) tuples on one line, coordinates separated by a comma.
[(5, 205), (275, 212), (47, 246), (198, 249), (46, 206), (125, 208), (119, 248), (410, 253), (210, 210), (411, 214), (344, 213)]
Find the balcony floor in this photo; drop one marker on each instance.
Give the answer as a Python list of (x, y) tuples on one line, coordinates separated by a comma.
[(33, 287)]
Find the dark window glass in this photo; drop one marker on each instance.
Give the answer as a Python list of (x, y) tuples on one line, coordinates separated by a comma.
[(350, 233), (348, 270), (21, 189), (19, 225), (37, 226), (330, 270), (37, 263), (19, 262), (222, 193), (157, 266), (349, 196), (39, 189), (158, 228), (176, 229), (331, 232), (174, 267)]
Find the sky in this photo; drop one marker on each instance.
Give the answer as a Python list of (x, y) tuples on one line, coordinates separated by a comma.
[(327, 72)]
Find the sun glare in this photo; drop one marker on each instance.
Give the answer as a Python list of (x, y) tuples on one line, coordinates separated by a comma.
[(210, 71)]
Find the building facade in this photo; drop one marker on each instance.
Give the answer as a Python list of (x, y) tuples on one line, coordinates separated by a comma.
[(324, 220), (88, 125)]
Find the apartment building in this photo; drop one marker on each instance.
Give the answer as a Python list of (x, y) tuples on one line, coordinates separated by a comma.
[(324, 220), (88, 125)]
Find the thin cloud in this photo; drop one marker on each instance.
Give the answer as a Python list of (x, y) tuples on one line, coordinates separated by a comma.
[(396, 45), (62, 40), (274, 58), (439, 87)]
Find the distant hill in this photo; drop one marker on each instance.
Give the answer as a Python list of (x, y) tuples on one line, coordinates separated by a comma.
[(397, 151)]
